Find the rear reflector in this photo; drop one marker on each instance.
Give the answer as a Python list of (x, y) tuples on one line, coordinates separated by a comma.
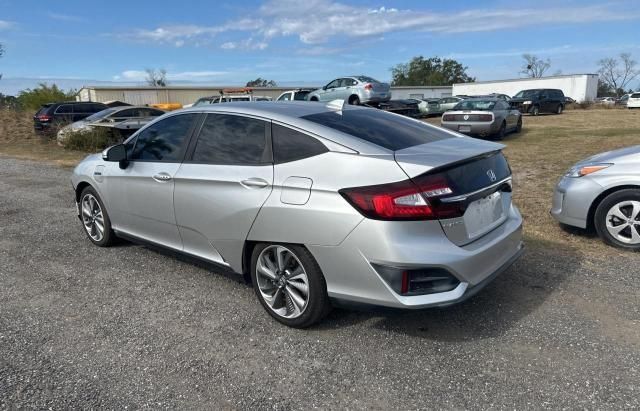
[(418, 281)]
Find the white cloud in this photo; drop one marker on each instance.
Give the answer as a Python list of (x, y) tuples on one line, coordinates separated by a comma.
[(6, 25), (65, 17), (316, 22)]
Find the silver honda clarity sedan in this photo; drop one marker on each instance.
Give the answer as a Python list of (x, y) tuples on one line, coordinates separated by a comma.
[(311, 203), (603, 192)]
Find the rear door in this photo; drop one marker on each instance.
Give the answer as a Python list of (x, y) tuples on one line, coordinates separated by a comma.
[(226, 177), (140, 197)]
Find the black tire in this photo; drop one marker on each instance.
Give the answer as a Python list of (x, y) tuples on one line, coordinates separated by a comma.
[(535, 111), (314, 99), (318, 304), (109, 236), (354, 100), (600, 218), (519, 125), (559, 109), (501, 132)]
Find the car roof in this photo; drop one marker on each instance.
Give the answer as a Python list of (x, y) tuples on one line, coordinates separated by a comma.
[(481, 98)]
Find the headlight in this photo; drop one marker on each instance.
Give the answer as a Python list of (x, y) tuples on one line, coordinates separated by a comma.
[(586, 169), (527, 102)]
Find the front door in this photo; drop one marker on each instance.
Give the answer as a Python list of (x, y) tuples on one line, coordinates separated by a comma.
[(224, 181), (141, 195)]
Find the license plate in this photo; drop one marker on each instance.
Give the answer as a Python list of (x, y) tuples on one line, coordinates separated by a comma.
[(464, 129), (483, 214)]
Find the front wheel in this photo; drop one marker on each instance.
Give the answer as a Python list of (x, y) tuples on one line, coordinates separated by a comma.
[(617, 219), (559, 109), (289, 284), (95, 219), (535, 111)]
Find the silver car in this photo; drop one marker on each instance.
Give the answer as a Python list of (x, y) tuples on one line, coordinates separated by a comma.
[(483, 117), (311, 203), (354, 90), (603, 192)]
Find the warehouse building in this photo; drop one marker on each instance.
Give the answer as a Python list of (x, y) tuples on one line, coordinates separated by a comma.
[(580, 87)]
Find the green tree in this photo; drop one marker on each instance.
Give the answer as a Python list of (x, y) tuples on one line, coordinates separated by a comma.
[(432, 71), (33, 99), (261, 82)]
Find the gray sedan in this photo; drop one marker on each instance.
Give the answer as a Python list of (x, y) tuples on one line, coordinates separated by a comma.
[(603, 192), (483, 117), (311, 203), (354, 90)]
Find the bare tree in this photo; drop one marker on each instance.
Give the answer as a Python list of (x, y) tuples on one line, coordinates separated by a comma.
[(1, 53), (617, 74), (156, 78), (533, 66)]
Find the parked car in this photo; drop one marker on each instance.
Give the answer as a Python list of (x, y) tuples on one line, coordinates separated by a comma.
[(448, 103), (603, 192), (432, 106), (633, 101), (353, 89), (609, 101), (123, 120), (483, 117), (622, 100), (541, 100), (568, 100), (228, 96), (313, 203), (299, 94), (58, 114), (502, 97)]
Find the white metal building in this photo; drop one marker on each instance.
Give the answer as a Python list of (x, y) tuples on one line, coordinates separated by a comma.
[(580, 87), (420, 92)]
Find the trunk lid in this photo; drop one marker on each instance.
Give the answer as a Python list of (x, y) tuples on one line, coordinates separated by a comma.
[(478, 176)]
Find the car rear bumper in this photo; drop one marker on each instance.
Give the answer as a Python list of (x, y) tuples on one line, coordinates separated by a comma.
[(350, 274), (471, 128)]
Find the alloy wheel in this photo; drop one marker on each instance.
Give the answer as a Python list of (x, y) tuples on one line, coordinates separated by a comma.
[(92, 217), (623, 222), (282, 281)]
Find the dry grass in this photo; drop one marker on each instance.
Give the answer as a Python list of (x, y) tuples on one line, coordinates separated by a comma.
[(544, 151), (17, 139)]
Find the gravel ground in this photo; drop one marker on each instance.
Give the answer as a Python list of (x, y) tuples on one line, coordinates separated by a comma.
[(130, 327)]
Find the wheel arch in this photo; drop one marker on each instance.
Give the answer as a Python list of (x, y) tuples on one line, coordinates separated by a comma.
[(596, 202), (80, 187), (352, 97)]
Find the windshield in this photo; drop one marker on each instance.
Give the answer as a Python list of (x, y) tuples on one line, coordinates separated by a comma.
[(484, 105), (526, 93), (101, 114)]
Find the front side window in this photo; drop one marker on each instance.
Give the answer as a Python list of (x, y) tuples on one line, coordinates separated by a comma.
[(165, 140), (285, 97), (233, 140), (334, 84), (291, 145)]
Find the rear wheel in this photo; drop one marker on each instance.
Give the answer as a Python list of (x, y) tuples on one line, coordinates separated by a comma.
[(289, 284), (501, 132), (617, 219), (313, 99), (519, 125), (354, 100), (535, 111)]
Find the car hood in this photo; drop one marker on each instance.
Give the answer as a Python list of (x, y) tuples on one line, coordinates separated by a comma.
[(628, 154), (420, 159)]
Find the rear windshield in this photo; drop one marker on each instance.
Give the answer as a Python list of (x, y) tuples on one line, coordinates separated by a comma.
[(44, 109), (366, 79), (390, 131), (527, 93), (475, 105)]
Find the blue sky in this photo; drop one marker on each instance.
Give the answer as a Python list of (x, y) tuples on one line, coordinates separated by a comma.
[(301, 42)]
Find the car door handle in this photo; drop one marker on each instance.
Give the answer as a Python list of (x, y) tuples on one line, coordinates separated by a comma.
[(254, 183), (162, 177)]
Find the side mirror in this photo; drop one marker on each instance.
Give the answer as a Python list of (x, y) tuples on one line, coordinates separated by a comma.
[(115, 153)]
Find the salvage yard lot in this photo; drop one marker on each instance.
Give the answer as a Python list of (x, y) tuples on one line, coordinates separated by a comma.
[(82, 326)]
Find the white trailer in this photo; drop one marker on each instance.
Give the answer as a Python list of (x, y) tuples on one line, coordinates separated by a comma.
[(580, 87)]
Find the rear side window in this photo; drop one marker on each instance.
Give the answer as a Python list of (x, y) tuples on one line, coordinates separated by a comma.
[(227, 139), (291, 145), (635, 95), (64, 109), (165, 140), (383, 129)]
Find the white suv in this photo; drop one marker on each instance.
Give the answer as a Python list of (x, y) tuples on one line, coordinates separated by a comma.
[(634, 101)]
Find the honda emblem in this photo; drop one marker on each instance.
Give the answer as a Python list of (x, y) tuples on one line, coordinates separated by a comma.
[(492, 175)]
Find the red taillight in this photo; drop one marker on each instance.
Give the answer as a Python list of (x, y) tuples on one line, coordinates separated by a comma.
[(43, 117), (368, 86), (485, 117), (404, 200)]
